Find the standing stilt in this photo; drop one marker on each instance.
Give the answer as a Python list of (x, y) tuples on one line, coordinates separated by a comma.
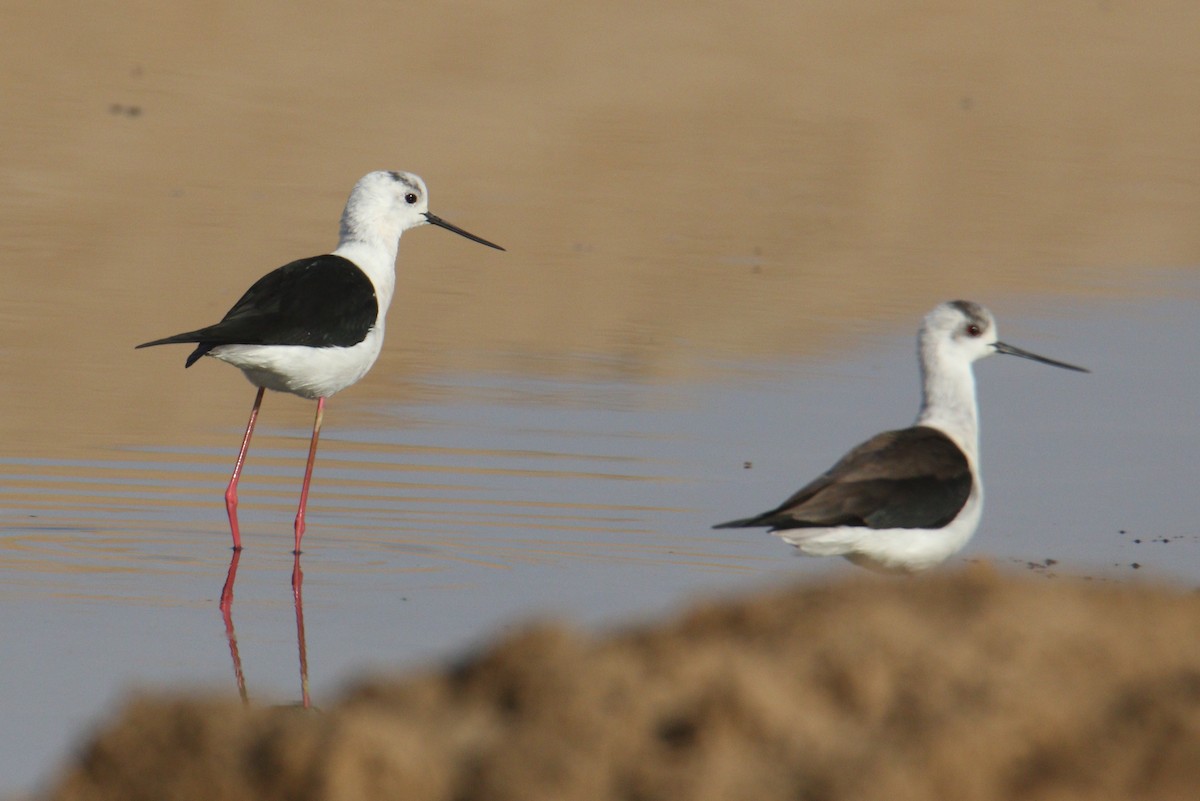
[(315, 325)]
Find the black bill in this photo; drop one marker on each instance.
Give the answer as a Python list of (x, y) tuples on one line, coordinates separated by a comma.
[(1024, 354), (433, 219)]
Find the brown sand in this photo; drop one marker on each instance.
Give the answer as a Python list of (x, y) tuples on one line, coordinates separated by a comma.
[(734, 179), (965, 687)]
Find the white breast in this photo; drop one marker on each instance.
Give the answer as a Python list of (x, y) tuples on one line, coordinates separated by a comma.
[(301, 370)]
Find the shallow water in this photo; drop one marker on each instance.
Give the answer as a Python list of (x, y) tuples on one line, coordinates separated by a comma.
[(719, 248), (435, 526)]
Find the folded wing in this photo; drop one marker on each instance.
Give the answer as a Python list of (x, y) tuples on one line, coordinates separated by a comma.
[(910, 478)]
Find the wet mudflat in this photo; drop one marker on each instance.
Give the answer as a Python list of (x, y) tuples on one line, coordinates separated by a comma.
[(719, 249)]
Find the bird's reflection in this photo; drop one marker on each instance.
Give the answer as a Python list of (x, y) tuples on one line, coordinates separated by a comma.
[(226, 607), (297, 585), (230, 634)]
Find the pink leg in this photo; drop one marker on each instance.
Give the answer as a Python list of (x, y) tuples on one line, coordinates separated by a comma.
[(312, 455), (231, 499)]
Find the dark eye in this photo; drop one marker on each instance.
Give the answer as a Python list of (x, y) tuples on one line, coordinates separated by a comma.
[(974, 330), (410, 198)]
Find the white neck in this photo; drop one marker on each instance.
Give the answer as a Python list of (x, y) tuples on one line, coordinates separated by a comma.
[(948, 399), (375, 256)]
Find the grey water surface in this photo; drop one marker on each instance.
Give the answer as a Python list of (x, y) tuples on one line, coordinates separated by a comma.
[(438, 525)]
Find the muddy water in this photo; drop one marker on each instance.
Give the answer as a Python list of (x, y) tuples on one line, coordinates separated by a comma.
[(723, 225)]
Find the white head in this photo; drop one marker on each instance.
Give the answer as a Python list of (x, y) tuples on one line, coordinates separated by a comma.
[(957, 331), (385, 204), (953, 336), (960, 331)]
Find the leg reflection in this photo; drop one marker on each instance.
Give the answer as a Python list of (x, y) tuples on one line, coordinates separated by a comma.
[(297, 583), (230, 634)]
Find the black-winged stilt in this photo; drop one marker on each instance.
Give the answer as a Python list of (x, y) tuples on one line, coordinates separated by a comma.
[(906, 500), (315, 326)]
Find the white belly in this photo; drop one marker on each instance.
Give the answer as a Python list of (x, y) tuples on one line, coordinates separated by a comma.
[(302, 370)]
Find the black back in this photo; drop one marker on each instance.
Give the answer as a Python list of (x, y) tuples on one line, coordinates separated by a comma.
[(911, 478), (320, 302)]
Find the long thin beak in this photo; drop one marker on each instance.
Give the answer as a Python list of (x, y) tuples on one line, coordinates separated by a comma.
[(1024, 354), (433, 219)]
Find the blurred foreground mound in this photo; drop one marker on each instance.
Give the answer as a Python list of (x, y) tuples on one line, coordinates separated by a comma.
[(961, 687)]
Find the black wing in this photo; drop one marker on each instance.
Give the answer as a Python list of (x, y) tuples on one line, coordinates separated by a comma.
[(911, 478), (321, 302)]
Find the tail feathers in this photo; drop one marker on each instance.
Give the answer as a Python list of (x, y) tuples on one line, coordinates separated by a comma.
[(190, 337), (175, 340), (746, 522)]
